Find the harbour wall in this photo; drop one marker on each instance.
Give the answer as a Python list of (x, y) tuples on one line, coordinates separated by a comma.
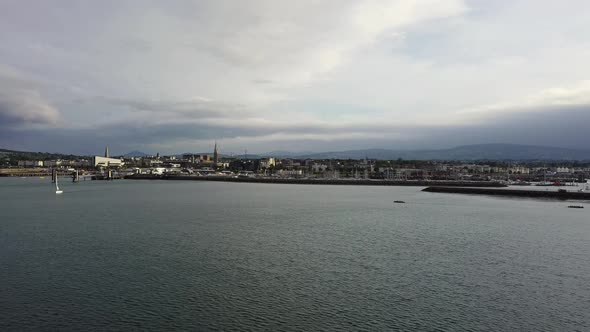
[(30, 172), (510, 192)]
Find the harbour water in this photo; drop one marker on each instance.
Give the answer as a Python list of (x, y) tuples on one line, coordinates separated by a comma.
[(175, 255)]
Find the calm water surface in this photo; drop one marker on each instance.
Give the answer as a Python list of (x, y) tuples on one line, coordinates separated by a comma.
[(165, 255)]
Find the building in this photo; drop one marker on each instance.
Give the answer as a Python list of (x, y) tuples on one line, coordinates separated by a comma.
[(204, 158), (290, 173), (189, 157), (198, 158), (30, 163), (151, 163), (318, 168), (52, 163), (267, 163), (106, 162)]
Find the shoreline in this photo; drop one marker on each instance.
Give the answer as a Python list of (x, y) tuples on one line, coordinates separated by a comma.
[(414, 183)]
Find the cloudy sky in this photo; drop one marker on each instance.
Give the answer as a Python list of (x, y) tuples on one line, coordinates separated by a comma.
[(174, 76)]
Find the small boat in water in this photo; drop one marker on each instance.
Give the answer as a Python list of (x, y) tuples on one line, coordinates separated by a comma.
[(398, 201), (575, 207)]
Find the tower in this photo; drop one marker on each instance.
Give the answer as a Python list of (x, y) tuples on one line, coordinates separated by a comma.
[(106, 152), (215, 154)]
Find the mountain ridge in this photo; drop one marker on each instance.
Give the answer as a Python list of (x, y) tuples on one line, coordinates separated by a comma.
[(135, 153), (491, 151)]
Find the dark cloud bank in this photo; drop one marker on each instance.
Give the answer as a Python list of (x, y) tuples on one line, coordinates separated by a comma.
[(560, 127)]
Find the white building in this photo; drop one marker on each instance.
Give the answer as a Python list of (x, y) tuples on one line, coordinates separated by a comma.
[(158, 170), (519, 170), (267, 163), (106, 162), (290, 173), (52, 163), (30, 163), (317, 168)]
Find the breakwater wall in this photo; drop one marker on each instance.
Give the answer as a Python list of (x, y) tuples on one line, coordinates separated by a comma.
[(510, 192), (30, 172), (317, 181)]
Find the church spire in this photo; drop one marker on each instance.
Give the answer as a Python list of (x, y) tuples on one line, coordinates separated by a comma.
[(215, 154)]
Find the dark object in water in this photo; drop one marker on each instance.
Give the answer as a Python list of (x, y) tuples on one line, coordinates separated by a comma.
[(575, 207), (398, 201)]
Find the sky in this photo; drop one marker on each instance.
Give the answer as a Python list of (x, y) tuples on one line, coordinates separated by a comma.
[(310, 75)]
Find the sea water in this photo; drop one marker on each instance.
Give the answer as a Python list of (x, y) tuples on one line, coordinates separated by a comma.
[(183, 255)]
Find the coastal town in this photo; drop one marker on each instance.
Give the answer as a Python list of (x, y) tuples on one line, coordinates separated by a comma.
[(216, 165)]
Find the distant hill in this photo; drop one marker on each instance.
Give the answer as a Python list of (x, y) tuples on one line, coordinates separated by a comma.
[(465, 152), (8, 151), (224, 155), (28, 155), (285, 154), (135, 154)]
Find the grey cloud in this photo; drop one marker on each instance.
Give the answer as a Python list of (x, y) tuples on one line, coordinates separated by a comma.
[(262, 81), (562, 127), (268, 52), (188, 108), (21, 104), (137, 45), (120, 137)]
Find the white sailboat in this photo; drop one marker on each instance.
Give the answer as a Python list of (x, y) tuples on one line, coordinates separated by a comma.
[(57, 190)]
